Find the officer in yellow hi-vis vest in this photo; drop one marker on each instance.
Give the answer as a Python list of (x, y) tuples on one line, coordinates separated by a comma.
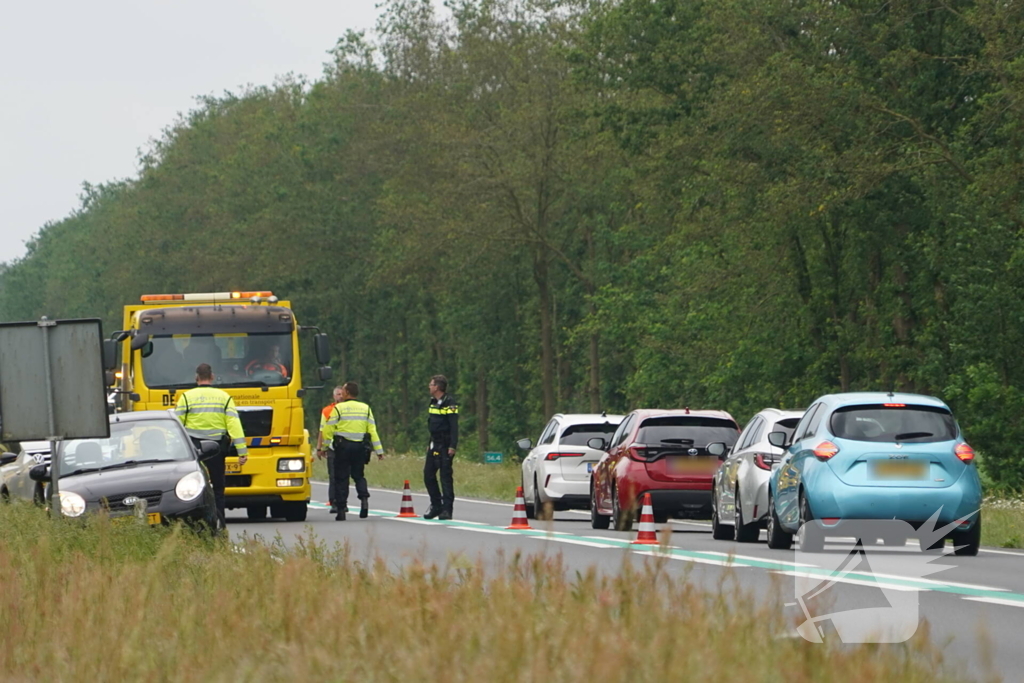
[(350, 425), (210, 414)]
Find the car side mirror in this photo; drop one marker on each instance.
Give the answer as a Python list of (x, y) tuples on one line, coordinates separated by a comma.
[(718, 448), (778, 439), (597, 443), (8, 458), (525, 444), (208, 448), (39, 473)]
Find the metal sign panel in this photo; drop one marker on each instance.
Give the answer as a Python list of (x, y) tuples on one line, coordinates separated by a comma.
[(52, 380), (492, 458)]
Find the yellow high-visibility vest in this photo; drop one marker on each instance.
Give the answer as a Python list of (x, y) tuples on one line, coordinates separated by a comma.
[(210, 413)]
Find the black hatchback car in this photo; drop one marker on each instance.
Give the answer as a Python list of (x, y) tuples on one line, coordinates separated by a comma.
[(147, 467)]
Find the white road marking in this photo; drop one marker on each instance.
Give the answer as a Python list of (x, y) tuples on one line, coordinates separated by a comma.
[(1001, 552)]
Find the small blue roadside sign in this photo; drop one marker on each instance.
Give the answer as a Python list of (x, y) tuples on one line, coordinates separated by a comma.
[(492, 458)]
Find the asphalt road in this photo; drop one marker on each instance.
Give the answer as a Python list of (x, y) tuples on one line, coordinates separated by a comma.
[(974, 606)]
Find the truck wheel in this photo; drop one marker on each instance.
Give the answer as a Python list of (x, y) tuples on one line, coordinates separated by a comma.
[(295, 512), (278, 511), (256, 512)]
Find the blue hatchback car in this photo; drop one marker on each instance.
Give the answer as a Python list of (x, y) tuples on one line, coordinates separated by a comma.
[(875, 456)]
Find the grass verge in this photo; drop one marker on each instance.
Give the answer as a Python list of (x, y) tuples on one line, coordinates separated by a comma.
[(472, 479), (1003, 522), (95, 601)]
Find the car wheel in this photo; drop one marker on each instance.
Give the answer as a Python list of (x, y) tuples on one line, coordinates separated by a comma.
[(719, 531), (968, 542), (5, 495), (541, 510), (597, 520), (256, 512), (530, 510), (810, 535), (623, 518), (745, 533), (778, 539), (295, 512), (661, 518)]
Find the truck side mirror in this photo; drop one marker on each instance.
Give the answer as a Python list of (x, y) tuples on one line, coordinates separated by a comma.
[(109, 356), (139, 340), (325, 373), (322, 348)]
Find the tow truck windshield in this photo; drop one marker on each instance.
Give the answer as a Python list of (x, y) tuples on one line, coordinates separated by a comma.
[(238, 360)]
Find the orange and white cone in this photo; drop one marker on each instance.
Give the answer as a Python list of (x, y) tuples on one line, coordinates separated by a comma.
[(407, 510), (519, 520), (647, 535)]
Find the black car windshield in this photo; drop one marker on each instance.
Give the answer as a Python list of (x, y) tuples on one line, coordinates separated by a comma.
[(130, 442), (892, 423), (687, 430), (579, 435), (237, 359)]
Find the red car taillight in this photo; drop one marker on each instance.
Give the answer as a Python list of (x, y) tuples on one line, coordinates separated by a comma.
[(761, 462), (825, 450), (637, 451), (556, 456), (964, 452)]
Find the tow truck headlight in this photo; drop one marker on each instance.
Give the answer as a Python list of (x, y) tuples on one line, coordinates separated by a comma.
[(71, 504), (291, 465), (190, 486)]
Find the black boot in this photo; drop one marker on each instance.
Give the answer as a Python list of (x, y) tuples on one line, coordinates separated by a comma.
[(432, 512), (364, 509), (445, 514), (334, 509), (340, 517)]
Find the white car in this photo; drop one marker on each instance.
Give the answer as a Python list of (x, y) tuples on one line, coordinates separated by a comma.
[(739, 491), (556, 472)]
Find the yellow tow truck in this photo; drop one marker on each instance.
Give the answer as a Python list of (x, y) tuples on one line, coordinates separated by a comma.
[(251, 340)]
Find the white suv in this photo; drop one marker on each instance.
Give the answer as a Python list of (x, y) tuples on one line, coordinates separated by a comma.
[(557, 470)]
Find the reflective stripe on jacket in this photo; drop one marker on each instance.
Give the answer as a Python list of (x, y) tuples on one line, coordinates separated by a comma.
[(210, 413), (443, 421), (351, 420)]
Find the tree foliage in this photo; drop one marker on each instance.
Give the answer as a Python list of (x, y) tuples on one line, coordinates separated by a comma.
[(577, 205)]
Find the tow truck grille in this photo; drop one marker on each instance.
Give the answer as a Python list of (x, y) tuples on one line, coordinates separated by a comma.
[(256, 421)]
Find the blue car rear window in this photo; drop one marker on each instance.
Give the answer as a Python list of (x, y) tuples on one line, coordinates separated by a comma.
[(892, 423)]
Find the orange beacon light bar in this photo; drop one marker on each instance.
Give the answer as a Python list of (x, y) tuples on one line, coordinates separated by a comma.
[(207, 296)]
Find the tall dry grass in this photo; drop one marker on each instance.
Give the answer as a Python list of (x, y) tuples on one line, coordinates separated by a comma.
[(96, 602)]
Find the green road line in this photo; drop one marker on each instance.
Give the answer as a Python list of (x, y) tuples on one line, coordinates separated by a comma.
[(698, 556)]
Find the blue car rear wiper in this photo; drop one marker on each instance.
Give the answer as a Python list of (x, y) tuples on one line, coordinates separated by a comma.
[(912, 435)]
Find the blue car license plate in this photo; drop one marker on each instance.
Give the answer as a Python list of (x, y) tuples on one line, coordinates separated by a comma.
[(590, 467)]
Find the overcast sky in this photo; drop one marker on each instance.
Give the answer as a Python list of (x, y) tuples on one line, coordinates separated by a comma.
[(85, 85)]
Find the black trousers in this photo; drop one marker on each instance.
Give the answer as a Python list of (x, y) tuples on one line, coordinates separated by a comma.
[(330, 476), (216, 466), (438, 461), (349, 461)]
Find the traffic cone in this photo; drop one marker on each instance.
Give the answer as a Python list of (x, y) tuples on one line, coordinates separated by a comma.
[(407, 510), (647, 534), (519, 520)]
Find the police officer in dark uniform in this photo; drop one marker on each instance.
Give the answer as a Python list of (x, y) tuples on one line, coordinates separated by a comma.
[(443, 424)]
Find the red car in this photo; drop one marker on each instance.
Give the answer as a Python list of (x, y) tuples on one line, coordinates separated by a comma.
[(661, 452)]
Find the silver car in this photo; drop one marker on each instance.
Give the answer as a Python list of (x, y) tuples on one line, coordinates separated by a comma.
[(14, 479), (556, 472), (739, 500)]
